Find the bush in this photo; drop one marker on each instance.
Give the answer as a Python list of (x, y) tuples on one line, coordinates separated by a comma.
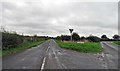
[(75, 37), (93, 38), (12, 39), (65, 37)]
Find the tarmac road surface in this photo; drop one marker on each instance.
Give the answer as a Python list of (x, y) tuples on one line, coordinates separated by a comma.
[(110, 54), (49, 55)]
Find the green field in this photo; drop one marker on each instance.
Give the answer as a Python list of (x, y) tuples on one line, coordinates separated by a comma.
[(117, 42), (20, 47), (87, 47)]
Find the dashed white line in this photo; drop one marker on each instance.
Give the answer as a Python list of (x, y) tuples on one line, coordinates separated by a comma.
[(43, 64), (64, 66), (47, 48), (24, 67), (22, 59), (44, 60)]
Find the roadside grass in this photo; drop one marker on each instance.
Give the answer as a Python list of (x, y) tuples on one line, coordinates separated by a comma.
[(116, 42), (20, 48), (87, 47)]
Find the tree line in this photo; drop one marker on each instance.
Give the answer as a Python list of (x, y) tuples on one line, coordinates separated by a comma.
[(12, 39), (92, 38)]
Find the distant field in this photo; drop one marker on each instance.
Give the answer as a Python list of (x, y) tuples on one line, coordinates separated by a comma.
[(117, 42), (20, 47), (92, 47)]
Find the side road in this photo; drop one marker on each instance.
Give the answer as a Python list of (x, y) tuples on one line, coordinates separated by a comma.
[(110, 54)]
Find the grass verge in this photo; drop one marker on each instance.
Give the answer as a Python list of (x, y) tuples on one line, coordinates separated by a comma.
[(117, 42), (19, 48), (87, 47)]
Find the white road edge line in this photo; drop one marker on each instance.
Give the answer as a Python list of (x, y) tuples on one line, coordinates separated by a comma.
[(43, 64)]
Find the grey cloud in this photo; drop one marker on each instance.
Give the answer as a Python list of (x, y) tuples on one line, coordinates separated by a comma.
[(47, 19)]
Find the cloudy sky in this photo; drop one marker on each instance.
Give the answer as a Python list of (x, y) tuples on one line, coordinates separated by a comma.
[(55, 17)]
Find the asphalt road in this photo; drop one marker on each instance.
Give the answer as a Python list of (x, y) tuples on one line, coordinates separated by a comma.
[(110, 54), (50, 56), (0, 63)]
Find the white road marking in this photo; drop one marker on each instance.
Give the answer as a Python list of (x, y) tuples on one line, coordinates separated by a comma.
[(64, 66), (47, 49), (59, 53), (43, 64), (49, 43), (44, 60), (103, 54), (102, 44), (105, 66), (54, 41), (59, 63), (24, 67), (22, 59), (111, 46)]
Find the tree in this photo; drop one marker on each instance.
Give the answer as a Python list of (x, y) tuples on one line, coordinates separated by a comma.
[(116, 37), (93, 38), (10, 40), (75, 37), (58, 37), (104, 37), (34, 38), (82, 38), (65, 37)]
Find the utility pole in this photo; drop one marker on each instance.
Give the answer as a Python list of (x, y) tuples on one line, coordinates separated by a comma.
[(71, 30)]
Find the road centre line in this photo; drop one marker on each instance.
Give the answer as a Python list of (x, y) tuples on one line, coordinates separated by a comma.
[(47, 49), (44, 60), (43, 64)]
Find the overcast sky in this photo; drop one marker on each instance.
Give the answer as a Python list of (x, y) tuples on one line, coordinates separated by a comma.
[(55, 17)]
